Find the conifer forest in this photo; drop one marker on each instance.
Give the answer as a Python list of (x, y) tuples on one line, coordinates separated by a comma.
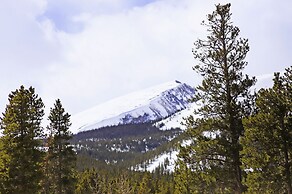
[(238, 141)]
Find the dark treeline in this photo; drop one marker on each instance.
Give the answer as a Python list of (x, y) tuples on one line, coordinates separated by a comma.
[(119, 131), (106, 181)]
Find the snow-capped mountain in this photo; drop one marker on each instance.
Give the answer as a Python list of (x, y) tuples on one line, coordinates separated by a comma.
[(148, 105)]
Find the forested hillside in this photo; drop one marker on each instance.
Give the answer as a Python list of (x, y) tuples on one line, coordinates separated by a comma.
[(127, 146)]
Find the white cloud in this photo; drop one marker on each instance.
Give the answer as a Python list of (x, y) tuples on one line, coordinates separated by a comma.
[(86, 52), (121, 52), (24, 53)]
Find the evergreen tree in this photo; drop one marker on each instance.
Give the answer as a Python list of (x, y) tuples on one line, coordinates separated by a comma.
[(3, 169), (214, 153), (183, 179), (144, 186), (267, 144), (122, 185), (21, 142), (88, 182), (60, 159)]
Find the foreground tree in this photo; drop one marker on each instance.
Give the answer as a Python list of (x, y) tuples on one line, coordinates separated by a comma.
[(60, 160), (184, 178), (3, 171), (21, 142), (267, 144), (213, 156)]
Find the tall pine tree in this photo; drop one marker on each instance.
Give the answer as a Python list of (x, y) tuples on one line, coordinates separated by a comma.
[(60, 161), (21, 142), (214, 152), (267, 144)]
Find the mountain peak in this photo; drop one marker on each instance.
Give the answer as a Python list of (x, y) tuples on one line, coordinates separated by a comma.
[(146, 105)]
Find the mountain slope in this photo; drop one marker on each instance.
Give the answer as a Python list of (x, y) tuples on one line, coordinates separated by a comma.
[(148, 105), (177, 120)]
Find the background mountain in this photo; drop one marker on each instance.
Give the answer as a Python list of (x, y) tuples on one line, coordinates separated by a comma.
[(149, 105), (139, 130)]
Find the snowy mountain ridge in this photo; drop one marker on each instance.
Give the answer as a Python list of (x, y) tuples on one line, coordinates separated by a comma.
[(147, 105)]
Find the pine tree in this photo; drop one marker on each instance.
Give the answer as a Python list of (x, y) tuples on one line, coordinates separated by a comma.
[(267, 144), (88, 182), (184, 179), (122, 185), (214, 153), (3, 168), (60, 159), (144, 185), (21, 142)]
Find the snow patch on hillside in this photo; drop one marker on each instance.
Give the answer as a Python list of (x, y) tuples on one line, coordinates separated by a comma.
[(178, 119), (167, 160)]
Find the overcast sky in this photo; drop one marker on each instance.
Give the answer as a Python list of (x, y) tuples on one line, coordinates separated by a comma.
[(88, 51)]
